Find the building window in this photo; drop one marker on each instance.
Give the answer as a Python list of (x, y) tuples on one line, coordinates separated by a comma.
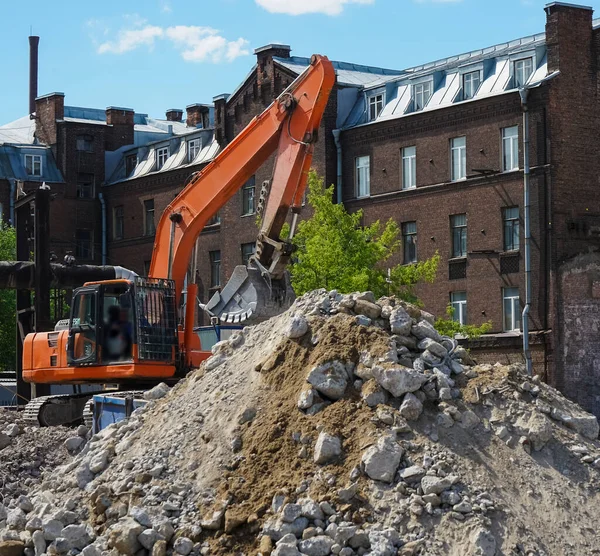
[(215, 269), (85, 143), (458, 224), (363, 176), (216, 219), (458, 302), (118, 222), (248, 196), (33, 164), (523, 71), (149, 225), (248, 249), (161, 157), (194, 146), (510, 148), (512, 309), (375, 106), (84, 245), (409, 241), (85, 185), (409, 167), (147, 267), (458, 155), (471, 82), (510, 216), (130, 164), (422, 94)]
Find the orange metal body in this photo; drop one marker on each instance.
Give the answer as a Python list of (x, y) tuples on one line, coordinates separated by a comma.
[(288, 127)]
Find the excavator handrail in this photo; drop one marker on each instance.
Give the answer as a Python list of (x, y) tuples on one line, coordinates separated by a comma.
[(301, 106)]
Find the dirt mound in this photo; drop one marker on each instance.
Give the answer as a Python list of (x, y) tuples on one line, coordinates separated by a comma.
[(344, 426)]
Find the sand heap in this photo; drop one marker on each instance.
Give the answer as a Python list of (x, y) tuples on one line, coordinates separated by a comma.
[(344, 426)]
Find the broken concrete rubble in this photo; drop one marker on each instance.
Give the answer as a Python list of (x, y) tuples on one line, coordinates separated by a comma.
[(317, 433)]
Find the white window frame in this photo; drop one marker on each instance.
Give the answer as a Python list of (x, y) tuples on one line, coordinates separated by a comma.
[(508, 295), (460, 307), (458, 171), (510, 146), (409, 167), (194, 146), (419, 90), (520, 60), (162, 155), (376, 102), (362, 167), (35, 158), (464, 77)]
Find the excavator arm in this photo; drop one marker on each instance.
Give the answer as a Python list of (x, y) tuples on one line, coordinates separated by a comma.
[(288, 128)]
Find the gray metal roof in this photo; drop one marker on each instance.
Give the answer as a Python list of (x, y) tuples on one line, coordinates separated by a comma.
[(146, 155), (347, 74), (12, 163)]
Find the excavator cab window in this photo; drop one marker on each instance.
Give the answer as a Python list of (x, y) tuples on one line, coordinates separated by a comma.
[(117, 323), (82, 346)]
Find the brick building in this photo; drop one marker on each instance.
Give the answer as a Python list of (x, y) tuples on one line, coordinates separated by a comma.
[(438, 148)]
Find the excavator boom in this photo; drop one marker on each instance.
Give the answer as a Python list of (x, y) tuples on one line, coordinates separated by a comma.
[(288, 128)]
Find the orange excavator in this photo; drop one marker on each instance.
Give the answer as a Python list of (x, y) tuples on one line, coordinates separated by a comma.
[(127, 331)]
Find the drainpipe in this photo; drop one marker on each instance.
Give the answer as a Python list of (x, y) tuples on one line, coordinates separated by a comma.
[(13, 187), (526, 224), (338, 146), (103, 205)]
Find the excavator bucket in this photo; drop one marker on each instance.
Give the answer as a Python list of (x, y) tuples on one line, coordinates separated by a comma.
[(250, 297)]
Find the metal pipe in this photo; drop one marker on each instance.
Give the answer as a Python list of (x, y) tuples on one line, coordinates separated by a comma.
[(103, 205), (526, 225), (188, 323), (13, 187), (338, 146), (293, 226)]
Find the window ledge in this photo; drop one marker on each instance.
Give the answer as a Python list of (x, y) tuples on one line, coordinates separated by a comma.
[(248, 214), (362, 197), (457, 259), (510, 252)]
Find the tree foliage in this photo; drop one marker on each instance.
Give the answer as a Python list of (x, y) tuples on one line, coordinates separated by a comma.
[(452, 328), (8, 252), (334, 251)]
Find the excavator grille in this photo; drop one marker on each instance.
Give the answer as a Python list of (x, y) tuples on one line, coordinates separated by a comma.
[(156, 319)]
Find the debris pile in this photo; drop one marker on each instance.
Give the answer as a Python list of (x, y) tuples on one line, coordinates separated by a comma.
[(345, 426), (26, 452)]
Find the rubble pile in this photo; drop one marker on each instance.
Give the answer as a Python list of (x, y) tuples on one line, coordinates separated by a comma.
[(346, 426), (26, 452)]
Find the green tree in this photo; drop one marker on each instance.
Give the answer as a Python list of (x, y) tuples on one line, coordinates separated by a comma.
[(450, 327), (8, 252), (334, 251)]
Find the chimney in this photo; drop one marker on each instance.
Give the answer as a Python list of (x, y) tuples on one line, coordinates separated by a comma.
[(174, 115), (221, 118), (33, 71), (197, 115), (569, 39), (48, 109), (268, 79), (120, 132)]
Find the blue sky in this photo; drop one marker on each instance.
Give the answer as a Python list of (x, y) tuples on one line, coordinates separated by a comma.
[(160, 54)]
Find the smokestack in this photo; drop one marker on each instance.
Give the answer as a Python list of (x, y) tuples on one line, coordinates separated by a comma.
[(33, 71)]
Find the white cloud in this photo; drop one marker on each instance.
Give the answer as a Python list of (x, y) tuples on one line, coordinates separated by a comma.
[(129, 39), (299, 7), (197, 44), (165, 7)]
